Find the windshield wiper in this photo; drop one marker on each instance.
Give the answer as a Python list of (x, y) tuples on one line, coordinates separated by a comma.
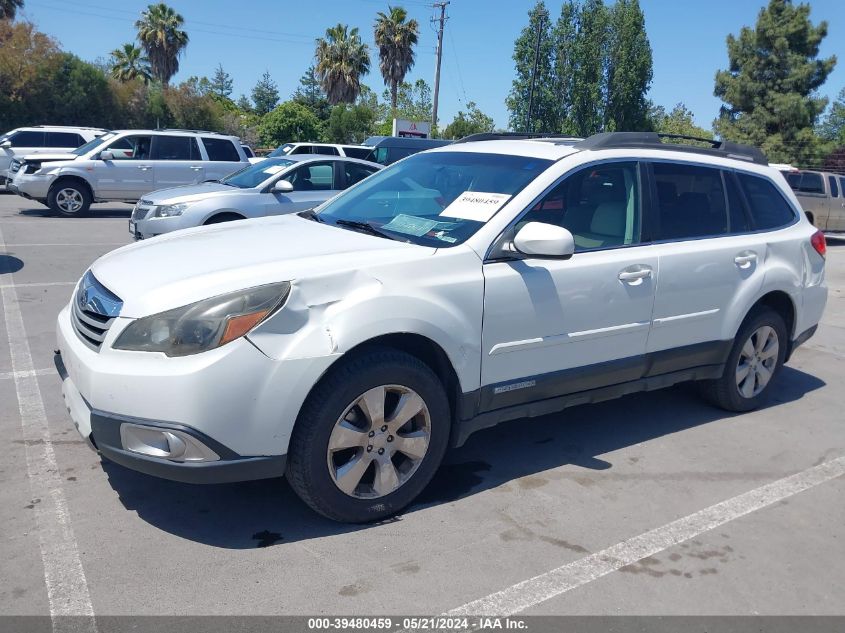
[(309, 214), (364, 227)]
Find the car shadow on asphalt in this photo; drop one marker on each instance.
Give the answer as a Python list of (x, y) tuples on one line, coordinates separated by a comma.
[(93, 214), (265, 513), (9, 264)]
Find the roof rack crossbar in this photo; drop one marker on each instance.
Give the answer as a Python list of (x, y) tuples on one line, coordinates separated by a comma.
[(650, 140)]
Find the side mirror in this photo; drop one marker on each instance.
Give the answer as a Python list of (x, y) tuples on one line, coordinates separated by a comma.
[(282, 186), (6, 144), (106, 155), (538, 239)]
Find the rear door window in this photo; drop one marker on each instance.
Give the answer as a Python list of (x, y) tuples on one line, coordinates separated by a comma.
[(690, 202), (64, 139), (356, 173), (174, 148), (28, 138), (221, 149), (834, 189), (313, 177), (737, 213), (768, 207), (322, 149)]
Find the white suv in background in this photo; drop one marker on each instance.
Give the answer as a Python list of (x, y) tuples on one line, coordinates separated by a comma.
[(327, 149), (349, 346), (124, 165), (38, 140)]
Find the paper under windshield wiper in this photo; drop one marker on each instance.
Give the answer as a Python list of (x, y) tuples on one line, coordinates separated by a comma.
[(366, 227)]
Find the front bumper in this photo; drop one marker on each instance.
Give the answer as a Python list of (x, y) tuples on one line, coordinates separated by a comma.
[(32, 186), (102, 432), (150, 227), (234, 400)]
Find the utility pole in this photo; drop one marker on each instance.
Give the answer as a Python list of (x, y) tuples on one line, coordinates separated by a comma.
[(442, 20), (534, 74)]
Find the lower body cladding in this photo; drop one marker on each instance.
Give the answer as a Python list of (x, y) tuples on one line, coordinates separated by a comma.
[(221, 416)]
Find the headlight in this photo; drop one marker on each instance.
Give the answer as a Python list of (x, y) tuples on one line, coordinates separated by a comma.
[(203, 325), (169, 210)]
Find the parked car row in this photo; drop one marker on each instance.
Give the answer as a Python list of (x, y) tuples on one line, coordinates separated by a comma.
[(348, 346)]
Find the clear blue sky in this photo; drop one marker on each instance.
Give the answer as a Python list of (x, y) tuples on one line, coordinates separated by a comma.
[(251, 36)]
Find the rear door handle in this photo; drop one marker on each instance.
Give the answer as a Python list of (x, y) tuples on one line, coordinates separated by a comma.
[(745, 259), (145, 167), (196, 167), (635, 274)]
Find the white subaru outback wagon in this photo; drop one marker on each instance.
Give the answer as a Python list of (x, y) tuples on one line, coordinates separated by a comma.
[(348, 347)]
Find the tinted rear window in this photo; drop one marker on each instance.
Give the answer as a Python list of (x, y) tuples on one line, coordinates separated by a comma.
[(175, 148), (221, 149), (810, 183), (28, 139), (690, 201), (768, 207), (358, 152), (64, 139)]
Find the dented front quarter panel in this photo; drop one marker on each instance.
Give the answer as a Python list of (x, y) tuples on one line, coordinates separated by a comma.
[(439, 297)]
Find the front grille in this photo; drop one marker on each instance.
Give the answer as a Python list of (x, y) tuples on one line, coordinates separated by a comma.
[(15, 166), (141, 210), (94, 310)]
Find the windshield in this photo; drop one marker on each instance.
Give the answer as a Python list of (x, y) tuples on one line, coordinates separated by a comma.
[(84, 149), (435, 199), (254, 175), (283, 150)]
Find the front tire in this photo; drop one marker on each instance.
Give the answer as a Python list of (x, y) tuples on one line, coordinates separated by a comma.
[(758, 353), (69, 199), (370, 437)]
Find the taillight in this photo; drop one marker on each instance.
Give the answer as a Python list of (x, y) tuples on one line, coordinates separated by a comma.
[(818, 243)]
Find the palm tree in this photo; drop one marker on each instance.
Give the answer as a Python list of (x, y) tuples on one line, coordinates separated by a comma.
[(129, 63), (395, 39), (342, 58), (8, 8), (160, 34)]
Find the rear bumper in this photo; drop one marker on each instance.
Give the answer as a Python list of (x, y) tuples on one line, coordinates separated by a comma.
[(102, 432)]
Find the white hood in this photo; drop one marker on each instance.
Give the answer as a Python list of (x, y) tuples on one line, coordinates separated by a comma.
[(48, 156), (192, 193), (179, 268)]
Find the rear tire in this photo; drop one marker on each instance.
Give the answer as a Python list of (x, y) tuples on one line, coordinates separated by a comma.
[(346, 459), (69, 198), (755, 360)]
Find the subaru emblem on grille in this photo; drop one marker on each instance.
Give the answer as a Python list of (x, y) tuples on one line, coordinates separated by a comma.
[(93, 297)]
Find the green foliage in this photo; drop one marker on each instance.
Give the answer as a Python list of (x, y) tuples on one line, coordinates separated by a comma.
[(545, 105), (678, 121), (832, 128), (9, 8), (342, 59), (589, 83), (413, 102), (128, 63), (193, 108), (395, 37), (769, 86), (221, 83), (349, 124), (473, 121), (565, 38), (629, 68), (289, 122), (310, 94), (162, 38), (244, 104), (265, 95)]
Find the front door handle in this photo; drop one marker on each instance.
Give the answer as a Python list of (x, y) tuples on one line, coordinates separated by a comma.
[(196, 167), (635, 274), (144, 167), (745, 259)]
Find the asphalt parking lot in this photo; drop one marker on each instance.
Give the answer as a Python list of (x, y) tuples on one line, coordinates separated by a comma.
[(570, 491)]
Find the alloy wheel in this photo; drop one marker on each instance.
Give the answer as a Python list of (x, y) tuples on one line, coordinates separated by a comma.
[(69, 200), (379, 441), (757, 361)]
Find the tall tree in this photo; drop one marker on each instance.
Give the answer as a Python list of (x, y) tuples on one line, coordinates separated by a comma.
[(413, 101), (161, 35), (395, 37), (629, 68), (678, 121), (769, 87), (544, 110), (565, 37), (221, 83), (9, 8), (309, 90), (128, 63), (589, 79), (265, 94), (290, 122), (342, 58), (473, 121), (832, 127)]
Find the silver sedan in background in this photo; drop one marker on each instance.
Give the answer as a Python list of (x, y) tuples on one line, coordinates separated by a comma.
[(272, 187)]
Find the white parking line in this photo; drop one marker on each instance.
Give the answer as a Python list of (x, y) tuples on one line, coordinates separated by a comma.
[(6, 375), (533, 591), (36, 284), (69, 244), (67, 588)]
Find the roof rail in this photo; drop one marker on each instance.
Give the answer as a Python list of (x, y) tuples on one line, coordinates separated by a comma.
[(176, 129), (514, 136), (725, 149)]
